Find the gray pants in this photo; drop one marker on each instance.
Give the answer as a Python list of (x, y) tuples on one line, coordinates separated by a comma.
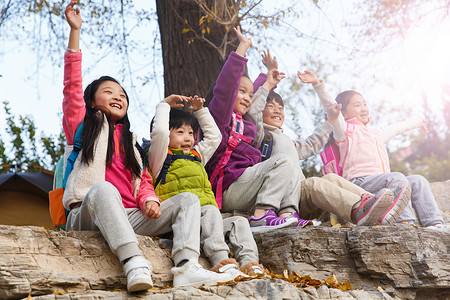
[(271, 184), (422, 199), (102, 210), (237, 231), (212, 234)]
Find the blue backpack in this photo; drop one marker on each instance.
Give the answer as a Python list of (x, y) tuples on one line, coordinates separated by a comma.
[(57, 211)]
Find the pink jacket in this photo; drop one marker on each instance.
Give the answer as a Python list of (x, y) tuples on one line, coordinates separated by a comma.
[(364, 152)]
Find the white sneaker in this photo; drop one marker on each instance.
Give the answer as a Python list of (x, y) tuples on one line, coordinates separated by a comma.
[(233, 270), (138, 271), (193, 273), (257, 270), (440, 227)]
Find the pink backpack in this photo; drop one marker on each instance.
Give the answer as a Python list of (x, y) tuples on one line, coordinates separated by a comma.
[(331, 157)]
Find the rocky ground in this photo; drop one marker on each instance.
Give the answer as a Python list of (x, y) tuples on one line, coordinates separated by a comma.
[(380, 262)]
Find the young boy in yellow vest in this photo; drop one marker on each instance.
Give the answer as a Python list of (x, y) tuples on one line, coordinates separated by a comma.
[(178, 166)]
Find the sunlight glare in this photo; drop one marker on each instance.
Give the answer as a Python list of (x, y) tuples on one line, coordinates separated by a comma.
[(426, 59)]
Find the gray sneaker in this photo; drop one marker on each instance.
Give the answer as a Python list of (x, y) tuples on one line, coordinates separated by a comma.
[(402, 195), (371, 208)]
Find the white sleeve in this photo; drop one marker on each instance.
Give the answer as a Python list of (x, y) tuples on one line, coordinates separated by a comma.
[(390, 131), (255, 113), (159, 138), (339, 126), (211, 135)]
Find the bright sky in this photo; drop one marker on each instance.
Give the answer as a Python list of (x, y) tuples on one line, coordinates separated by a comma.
[(419, 65)]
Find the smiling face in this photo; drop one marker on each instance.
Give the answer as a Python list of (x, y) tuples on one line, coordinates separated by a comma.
[(244, 97), (273, 114), (357, 107), (111, 95), (182, 138)]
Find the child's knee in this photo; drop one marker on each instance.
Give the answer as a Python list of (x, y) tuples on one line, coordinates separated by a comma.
[(187, 199), (332, 177), (241, 224), (103, 189), (417, 180), (397, 176), (211, 210)]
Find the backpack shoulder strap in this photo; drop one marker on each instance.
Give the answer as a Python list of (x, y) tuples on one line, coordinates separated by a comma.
[(193, 151), (170, 158), (77, 145), (266, 145)]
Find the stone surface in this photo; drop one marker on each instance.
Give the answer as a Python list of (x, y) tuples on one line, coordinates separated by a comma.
[(34, 260), (401, 256), (253, 289), (381, 262), (441, 192)]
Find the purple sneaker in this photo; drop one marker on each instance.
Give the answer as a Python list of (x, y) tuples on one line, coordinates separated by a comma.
[(301, 222), (271, 221)]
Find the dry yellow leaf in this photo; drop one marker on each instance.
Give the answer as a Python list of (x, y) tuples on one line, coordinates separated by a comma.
[(57, 292)]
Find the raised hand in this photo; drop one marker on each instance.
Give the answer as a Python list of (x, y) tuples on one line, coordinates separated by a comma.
[(308, 77), (173, 100), (244, 43), (333, 111), (270, 62), (273, 78), (73, 16), (196, 103)]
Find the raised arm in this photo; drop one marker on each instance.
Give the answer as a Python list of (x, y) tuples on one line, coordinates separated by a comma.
[(339, 125), (211, 133), (227, 84), (73, 102), (160, 132), (390, 131), (74, 19), (271, 63), (315, 142), (255, 114), (244, 43)]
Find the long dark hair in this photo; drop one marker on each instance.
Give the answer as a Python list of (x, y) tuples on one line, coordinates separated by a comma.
[(93, 122)]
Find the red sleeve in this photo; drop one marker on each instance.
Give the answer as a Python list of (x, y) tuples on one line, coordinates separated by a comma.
[(73, 104), (146, 190)]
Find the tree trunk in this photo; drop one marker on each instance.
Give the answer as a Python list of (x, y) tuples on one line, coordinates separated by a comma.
[(190, 68)]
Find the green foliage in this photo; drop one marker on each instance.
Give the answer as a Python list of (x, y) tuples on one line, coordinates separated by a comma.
[(26, 151)]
